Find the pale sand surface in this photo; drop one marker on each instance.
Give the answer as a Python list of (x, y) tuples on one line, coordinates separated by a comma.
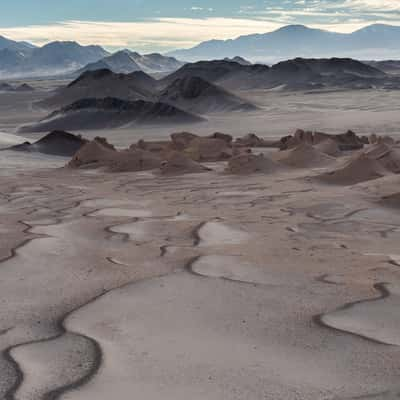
[(135, 285), (206, 286), (378, 319)]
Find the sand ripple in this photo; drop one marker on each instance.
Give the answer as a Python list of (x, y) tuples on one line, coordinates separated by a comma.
[(377, 319), (121, 212), (182, 337), (231, 268), (51, 367)]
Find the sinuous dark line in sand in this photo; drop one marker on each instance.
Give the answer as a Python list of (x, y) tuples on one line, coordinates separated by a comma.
[(298, 191), (163, 250), (75, 205), (324, 279), (124, 236), (385, 233), (289, 211), (33, 211), (27, 230), (19, 376), (333, 219), (384, 293), (5, 331), (16, 198), (6, 354), (189, 268), (55, 394), (112, 261), (61, 212), (394, 263), (98, 354), (88, 214), (196, 234), (13, 250)]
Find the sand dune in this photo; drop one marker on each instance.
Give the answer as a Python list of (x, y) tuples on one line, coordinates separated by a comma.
[(208, 149), (250, 163), (345, 141), (304, 156), (386, 155), (176, 163), (99, 153), (359, 168), (252, 140), (329, 147)]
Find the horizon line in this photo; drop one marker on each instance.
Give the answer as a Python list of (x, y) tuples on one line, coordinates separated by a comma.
[(39, 35)]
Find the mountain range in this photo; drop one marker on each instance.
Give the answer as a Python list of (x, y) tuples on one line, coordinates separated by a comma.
[(13, 45), (18, 59), (376, 41), (21, 59), (295, 74), (126, 61), (190, 93), (101, 98)]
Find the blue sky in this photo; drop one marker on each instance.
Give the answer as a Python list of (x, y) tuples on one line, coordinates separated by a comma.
[(161, 25)]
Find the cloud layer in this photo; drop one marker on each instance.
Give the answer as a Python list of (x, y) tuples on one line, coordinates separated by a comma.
[(151, 35), (163, 34)]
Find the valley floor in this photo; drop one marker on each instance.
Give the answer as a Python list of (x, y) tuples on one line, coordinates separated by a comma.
[(205, 286), (280, 114)]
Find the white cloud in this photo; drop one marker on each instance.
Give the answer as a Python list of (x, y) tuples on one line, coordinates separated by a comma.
[(156, 34), (373, 5), (306, 12), (201, 9), (163, 34)]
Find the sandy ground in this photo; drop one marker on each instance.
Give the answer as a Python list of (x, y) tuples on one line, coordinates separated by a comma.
[(206, 286), (202, 286)]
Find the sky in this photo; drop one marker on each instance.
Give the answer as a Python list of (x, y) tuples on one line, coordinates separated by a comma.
[(163, 25)]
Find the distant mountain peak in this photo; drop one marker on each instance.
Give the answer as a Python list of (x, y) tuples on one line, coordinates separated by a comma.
[(9, 44), (19, 59), (376, 26), (127, 61), (294, 28), (377, 41)]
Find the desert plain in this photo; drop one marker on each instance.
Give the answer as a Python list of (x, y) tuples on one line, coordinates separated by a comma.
[(270, 285)]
